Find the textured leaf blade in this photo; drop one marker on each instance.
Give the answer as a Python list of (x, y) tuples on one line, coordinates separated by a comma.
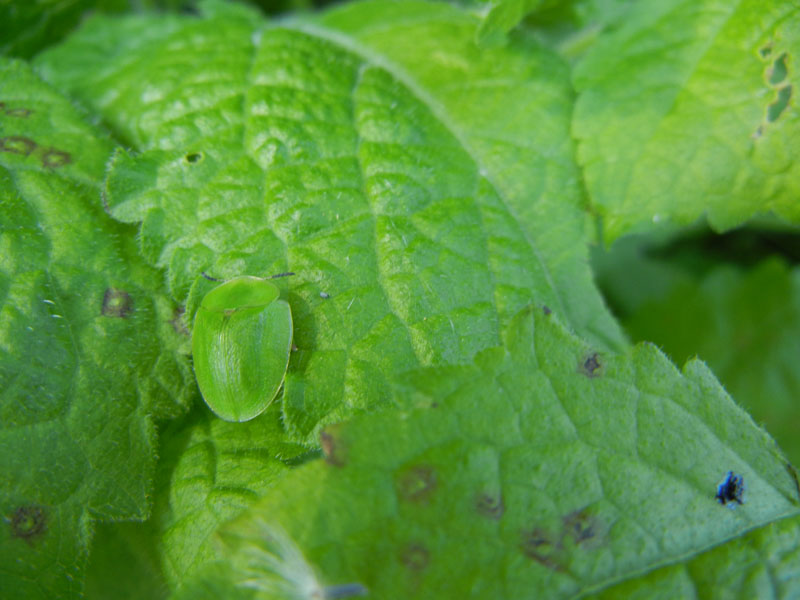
[(304, 166), (742, 322), (123, 564), (81, 366), (211, 470), (685, 110), (762, 564), (26, 28), (528, 472), (415, 219), (503, 15), (506, 108)]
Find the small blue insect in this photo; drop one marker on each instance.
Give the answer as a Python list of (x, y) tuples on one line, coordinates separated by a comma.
[(731, 489)]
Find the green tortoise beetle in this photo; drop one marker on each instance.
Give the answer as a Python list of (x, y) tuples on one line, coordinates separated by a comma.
[(241, 341)]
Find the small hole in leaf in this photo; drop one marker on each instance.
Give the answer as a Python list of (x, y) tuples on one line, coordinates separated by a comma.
[(775, 110), (778, 71), (194, 157), (765, 50)]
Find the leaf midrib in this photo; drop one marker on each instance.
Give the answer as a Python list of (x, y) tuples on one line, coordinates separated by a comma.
[(372, 58)]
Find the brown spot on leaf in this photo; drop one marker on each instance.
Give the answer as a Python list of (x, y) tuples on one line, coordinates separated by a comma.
[(418, 483), (117, 303), (16, 144), (546, 309), (29, 523), (55, 158), (332, 448), (580, 526), (415, 556), (585, 528), (489, 506), (177, 322), (591, 365), (104, 197), (20, 113), (542, 547)]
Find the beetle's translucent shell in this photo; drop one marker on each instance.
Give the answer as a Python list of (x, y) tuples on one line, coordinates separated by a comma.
[(241, 341)]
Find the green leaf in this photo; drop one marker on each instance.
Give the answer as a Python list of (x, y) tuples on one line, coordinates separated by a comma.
[(27, 27), (422, 190), (762, 564), (571, 28), (544, 466), (87, 350), (744, 323), (687, 109), (503, 15), (214, 583), (123, 564), (209, 471)]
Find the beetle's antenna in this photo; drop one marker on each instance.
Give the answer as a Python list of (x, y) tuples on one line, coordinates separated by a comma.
[(209, 277), (287, 274)]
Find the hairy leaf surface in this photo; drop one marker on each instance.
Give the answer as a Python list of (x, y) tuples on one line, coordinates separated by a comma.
[(761, 564), (745, 323), (211, 470), (688, 109), (422, 188), (376, 153), (86, 345), (545, 466)]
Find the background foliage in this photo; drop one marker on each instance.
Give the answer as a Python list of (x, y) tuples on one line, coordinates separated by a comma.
[(487, 205)]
